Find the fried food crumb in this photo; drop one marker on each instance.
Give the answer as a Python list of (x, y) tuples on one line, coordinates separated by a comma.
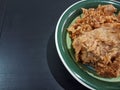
[(96, 39)]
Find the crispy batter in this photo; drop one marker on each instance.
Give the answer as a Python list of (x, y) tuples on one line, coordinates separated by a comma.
[(96, 39)]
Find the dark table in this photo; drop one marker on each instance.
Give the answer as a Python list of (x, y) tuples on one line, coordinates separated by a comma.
[(28, 56)]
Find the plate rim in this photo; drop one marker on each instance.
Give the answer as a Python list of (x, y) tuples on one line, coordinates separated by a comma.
[(57, 46)]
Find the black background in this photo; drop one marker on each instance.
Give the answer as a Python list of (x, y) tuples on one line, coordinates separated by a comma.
[(28, 57)]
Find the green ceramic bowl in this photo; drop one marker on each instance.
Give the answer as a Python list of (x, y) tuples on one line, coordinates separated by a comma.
[(82, 73)]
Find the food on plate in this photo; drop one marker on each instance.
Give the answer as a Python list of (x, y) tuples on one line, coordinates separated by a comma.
[(96, 39)]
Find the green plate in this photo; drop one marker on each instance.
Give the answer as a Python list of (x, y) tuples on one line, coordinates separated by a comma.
[(82, 73)]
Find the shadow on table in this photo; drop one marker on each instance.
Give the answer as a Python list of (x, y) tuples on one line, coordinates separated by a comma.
[(58, 70)]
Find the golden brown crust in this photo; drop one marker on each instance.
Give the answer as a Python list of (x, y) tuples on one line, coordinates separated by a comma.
[(96, 39)]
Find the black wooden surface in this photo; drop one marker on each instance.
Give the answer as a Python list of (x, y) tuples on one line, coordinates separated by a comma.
[(28, 57)]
